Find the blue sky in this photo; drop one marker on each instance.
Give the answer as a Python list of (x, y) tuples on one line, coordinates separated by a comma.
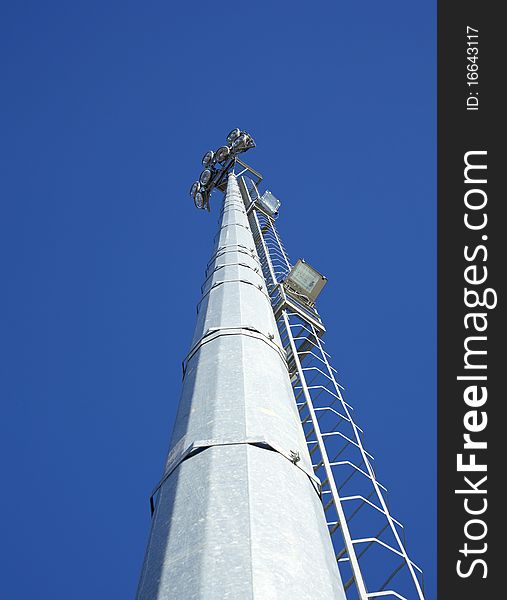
[(107, 108)]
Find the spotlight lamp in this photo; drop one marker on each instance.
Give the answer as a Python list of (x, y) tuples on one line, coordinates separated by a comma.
[(305, 282), (222, 153), (239, 143), (201, 199), (205, 176), (235, 133), (207, 159), (196, 186), (270, 203), (242, 143)]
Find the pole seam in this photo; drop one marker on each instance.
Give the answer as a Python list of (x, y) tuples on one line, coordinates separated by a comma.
[(199, 446)]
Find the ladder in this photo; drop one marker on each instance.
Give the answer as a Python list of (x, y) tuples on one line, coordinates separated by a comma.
[(369, 542)]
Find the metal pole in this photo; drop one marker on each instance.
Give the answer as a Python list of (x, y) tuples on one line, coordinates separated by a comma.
[(238, 514)]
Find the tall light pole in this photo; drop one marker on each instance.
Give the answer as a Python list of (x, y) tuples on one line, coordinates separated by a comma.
[(238, 513), (268, 491)]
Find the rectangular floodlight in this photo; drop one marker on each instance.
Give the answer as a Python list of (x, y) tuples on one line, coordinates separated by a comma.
[(270, 202), (305, 280)]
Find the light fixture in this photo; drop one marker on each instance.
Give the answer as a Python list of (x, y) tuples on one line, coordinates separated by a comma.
[(222, 153), (216, 166), (207, 159), (240, 143), (200, 199), (243, 142), (233, 135), (196, 186), (304, 280), (269, 202), (205, 176)]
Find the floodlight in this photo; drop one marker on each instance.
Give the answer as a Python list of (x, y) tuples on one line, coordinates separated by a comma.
[(207, 159), (240, 143), (269, 202), (250, 141), (205, 176), (304, 280), (233, 135), (196, 186), (222, 153), (200, 199)]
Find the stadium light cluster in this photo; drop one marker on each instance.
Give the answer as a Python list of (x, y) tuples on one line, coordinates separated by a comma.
[(216, 163)]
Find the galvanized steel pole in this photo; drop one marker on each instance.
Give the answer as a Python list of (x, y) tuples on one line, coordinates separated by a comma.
[(238, 514)]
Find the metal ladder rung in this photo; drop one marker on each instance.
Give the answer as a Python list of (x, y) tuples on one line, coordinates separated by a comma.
[(350, 441), (330, 408), (341, 553), (347, 462), (324, 388), (367, 501), (311, 353), (386, 593), (319, 371), (371, 541)]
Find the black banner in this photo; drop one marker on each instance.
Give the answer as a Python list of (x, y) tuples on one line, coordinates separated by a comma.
[(472, 248)]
